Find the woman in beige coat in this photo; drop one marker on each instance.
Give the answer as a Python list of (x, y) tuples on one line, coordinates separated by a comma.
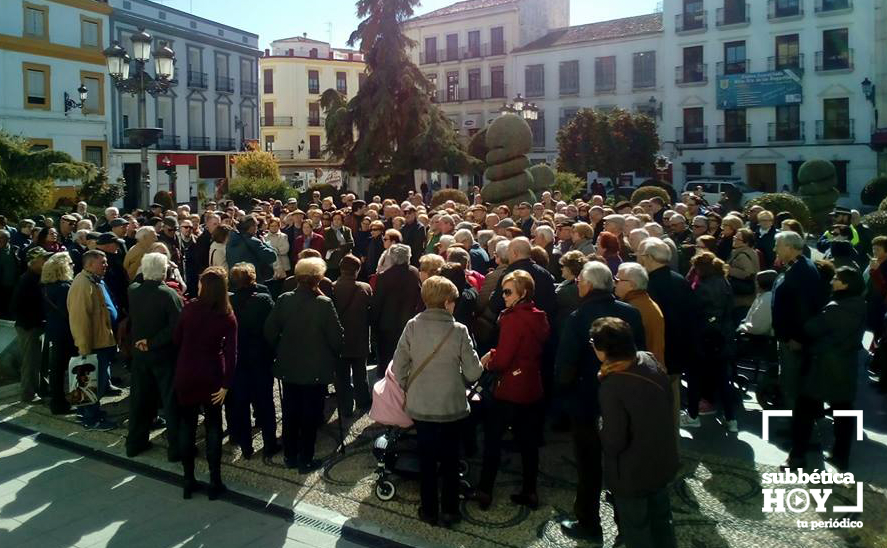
[(744, 265)]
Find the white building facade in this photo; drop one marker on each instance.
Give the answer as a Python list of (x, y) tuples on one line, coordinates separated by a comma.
[(47, 49), (209, 114)]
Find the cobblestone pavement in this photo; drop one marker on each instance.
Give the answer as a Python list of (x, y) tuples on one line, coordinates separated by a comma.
[(717, 498)]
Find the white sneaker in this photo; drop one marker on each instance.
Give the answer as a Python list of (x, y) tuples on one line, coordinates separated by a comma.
[(732, 426), (689, 422)]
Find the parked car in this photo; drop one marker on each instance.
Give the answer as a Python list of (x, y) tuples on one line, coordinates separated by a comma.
[(712, 189)]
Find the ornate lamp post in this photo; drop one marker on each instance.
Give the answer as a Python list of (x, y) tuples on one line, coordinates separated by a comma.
[(868, 90), (71, 104), (139, 84), (528, 111)]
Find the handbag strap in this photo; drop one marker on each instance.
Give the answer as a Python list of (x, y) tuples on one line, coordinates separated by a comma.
[(421, 367)]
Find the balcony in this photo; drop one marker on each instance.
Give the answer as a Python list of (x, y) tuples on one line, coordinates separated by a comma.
[(314, 89), (604, 87), (225, 84), (732, 17), (428, 57), (457, 95), (449, 54), (315, 154), (692, 137), (315, 121), (734, 67), (225, 143), (691, 75), (781, 62), (782, 133), (784, 10), (494, 48), (739, 135), (835, 131), (282, 154), (197, 80), (169, 142), (268, 88), (691, 22), (644, 83), (249, 88), (198, 143), (837, 61), (276, 121), (833, 7)]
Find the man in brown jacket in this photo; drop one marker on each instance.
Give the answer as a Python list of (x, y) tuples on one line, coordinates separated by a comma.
[(93, 316), (631, 287), (145, 236), (353, 299)]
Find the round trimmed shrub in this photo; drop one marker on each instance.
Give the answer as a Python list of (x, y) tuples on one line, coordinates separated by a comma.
[(507, 169), (164, 198), (875, 191), (497, 156), (816, 171), (664, 185), (510, 132), (497, 192), (778, 202), (543, 178), (647, 192), (477, 146), (443, 195), (877, 221)]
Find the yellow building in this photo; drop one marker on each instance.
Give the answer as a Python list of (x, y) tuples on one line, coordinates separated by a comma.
[(293, 74)]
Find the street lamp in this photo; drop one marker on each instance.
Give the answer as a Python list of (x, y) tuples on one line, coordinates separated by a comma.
[(868, 90), (140, 84), (519, 106), (655, 107), (239, 126), (71, 104)]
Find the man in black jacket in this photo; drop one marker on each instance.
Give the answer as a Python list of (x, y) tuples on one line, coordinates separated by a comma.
[(413, 235), (155, 313), (204, 241), (576, 369), (28, 312), (519, 259)]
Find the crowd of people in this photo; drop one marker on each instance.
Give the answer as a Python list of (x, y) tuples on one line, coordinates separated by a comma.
[(620, 323)]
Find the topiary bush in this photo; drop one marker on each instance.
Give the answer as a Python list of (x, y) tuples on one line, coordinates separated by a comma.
[(647, 192), (875, 191), (877, 221), (242, 190), (779, 202), (164, 198), (441, 196), (816, 186), (664, 185)]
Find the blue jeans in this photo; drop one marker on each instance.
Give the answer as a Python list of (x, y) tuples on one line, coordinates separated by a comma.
[(93, 413)]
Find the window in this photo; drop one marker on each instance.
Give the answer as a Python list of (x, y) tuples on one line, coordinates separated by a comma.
[(432, 80), (693, 169), (734, 57), (734, 12), (835, 49), (95, 96), (221, 65), (36, 21), (474, 43), (538, 128), (723, 169), (788, 123), (569, 77), (644, 70), (497, 39), (313, 81), (566, 115), (195, 118), (497, 82), (693, 16), (474, 84), (836, 118), (841, 175), (534, 81), (314, 114), (734, 126), (165, 113), (94, 153), (223, 121), (162, 15), (90, 32), (342, 82), (694, 70), (431, 50), (605, 74), (36, 83), (452, 86), (788, 52), (247, 118), (694, 131), (195, 59), (312, 53), (314, 147), (787, 8), (269, 143), (452, 47), (269, 114), (268, 80)]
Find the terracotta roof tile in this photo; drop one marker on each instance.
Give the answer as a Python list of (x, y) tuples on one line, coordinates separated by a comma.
[(460, 7), (604, 30)]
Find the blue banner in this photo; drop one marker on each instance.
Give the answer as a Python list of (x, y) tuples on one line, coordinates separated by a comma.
[(759, 89)]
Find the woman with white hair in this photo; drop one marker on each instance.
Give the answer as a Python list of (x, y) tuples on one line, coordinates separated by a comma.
[(397, 299), (145, 238), (56, 278), (305, 315)]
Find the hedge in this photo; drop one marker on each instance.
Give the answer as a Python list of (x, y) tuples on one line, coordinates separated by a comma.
[(779, 202), (243, 190), (441, 196), (647, 192)]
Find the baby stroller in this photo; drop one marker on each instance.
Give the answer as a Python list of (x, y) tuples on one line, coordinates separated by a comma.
[(396, 450)]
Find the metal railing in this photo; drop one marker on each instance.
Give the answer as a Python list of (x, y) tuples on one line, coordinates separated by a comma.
[(691, 74), (828, 6), (780, 132), (778, 9), (225, 143), (224, 83), (835, 130), (169, 142), (198, 143), (478, 51), (604, 86), (315, 121), (734, 135), (197, 80), (697, 135), (779, 62), (276, 121), (834, 62), (725, 17), (648, 83), (735, 67), (282, 154), (249, 88), (691, 21), (468, 94), (314, 154)]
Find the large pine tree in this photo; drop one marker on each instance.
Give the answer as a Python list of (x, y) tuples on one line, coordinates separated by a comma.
[(391, 127)]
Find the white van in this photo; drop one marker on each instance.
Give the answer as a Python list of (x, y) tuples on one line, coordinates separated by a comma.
[(712, 189)]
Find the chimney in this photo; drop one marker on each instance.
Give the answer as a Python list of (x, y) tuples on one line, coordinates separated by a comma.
[(304, 35), (267, 52)]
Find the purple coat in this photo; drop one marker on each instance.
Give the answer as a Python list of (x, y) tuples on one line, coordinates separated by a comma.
[(207, 344)]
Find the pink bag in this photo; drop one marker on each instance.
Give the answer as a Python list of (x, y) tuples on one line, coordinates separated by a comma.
[(388, 402)]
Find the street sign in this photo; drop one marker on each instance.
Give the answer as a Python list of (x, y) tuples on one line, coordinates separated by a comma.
[(759, 89)]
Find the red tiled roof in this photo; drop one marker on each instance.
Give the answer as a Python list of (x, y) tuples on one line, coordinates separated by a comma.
[(460, 7), (604, 30)]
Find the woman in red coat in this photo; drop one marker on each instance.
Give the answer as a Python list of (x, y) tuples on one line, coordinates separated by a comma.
[(207, 339), (517, 398), (307, 239)]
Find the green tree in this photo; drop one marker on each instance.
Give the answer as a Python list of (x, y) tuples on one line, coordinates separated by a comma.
[(256, 164), (609, 143), (391, 127), (97, 191), (26, 177)]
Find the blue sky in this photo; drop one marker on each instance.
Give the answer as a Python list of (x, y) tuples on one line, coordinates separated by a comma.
[(272, 19)]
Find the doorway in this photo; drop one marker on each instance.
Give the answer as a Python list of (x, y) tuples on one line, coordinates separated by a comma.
[(761, 177), (132, 174)]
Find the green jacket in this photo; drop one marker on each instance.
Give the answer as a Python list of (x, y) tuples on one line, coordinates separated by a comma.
[(304, 329)]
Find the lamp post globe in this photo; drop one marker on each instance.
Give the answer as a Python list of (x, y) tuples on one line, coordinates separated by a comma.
[(164, 59), (83, 92), (141, 45), (115, 57)]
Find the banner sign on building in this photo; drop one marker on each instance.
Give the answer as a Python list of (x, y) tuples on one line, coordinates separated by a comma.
[(759, 89)]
